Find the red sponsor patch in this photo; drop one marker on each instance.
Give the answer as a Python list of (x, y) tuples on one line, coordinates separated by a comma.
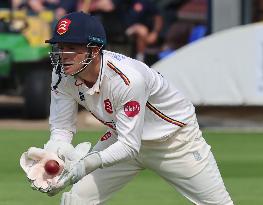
[(106, 136), (108, 106), (132, 108), (63, 26)]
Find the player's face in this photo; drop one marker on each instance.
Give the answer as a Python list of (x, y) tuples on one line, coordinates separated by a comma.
[(73, 57)]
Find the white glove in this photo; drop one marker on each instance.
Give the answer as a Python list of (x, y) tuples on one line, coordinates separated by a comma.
[(76, 170), (56, 146), (33, 162)]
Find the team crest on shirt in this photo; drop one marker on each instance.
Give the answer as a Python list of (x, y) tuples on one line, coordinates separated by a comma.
[(108, 106), (106, 136), (132, 108), (63, 26)]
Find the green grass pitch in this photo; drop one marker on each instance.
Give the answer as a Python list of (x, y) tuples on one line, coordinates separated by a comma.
[(239, 156)]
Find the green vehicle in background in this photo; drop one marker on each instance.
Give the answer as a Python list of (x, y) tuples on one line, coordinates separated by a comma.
[(24, 60)]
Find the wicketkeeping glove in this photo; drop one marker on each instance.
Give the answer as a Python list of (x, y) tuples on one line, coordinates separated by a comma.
[(33, 162), (75, 170)]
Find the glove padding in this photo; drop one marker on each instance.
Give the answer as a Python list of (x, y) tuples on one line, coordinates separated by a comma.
[(33, 162), (75, 170)]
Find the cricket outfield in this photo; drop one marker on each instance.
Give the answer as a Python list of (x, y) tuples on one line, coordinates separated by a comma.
[(239, 157)]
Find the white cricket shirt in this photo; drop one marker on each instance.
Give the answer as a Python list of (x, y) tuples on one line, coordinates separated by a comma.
[(130, 98)]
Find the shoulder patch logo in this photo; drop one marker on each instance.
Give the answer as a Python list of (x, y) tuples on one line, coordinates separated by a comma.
[(63, 26), (108, 106), (106, 136), (132, 108)]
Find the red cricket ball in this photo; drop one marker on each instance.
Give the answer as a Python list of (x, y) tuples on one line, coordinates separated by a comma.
[(52, 167)]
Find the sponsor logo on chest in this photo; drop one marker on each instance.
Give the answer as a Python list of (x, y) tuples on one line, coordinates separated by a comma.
[(131, 108)]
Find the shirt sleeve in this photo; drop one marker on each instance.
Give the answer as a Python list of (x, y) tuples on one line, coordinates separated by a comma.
[(129, 102), (63, 112)]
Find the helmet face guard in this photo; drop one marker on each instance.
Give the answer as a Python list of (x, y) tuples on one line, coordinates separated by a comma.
[(57, 58)]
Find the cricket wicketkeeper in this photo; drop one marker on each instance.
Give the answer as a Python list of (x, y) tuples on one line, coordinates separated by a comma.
[(150, 124)]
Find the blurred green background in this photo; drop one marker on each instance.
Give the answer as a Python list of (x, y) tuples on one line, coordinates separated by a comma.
[(239, 157)]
